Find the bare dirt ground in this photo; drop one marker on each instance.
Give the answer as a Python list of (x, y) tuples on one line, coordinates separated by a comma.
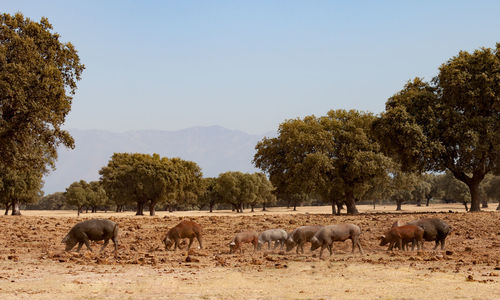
[(34, 265)]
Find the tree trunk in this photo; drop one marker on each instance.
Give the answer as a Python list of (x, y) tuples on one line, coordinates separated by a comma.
[(78, 210), (86, 209), (334, 210), (295, 206), (140, 209), (264, 206), (152, 206), (211, 207), (428, 200), (16, 211), (7, 207), (241, 207), (340, 206), (374, 203), (465, 204), (419, 202), (350, 203), (398, 204), (475, 200), (484, 202), (498, 207), (251, 206)]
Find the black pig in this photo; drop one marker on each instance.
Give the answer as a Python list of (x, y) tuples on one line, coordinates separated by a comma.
[(434, 230), (93, 230)]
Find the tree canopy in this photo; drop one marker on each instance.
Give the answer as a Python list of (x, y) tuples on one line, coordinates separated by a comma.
[(451, 123), (150, 179), (335, 156), (38, 75), (244, 189)]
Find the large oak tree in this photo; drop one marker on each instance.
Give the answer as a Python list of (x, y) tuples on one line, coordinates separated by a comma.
[(451, 123), (38, 75), (335, 156), (146, 179)]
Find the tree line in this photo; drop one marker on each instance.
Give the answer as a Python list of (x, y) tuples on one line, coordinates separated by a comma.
[(449, 125), (143, 180), (229, 191)]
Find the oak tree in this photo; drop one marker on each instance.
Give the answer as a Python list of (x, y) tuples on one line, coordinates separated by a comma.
[(451, 123), (38, 75)]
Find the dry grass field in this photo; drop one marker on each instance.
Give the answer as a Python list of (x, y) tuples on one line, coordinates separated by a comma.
[(33, 263)]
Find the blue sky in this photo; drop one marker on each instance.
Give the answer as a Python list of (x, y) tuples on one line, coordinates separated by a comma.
[(249, 65)]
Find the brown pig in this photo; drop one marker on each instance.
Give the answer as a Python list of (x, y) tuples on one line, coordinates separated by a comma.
[(244, 237), (185, 229), (401, 235)]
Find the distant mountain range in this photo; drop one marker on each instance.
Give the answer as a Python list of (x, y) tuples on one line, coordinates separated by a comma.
[(215, 149)]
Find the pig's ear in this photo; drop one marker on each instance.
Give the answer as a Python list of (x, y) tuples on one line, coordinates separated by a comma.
[(382, 237), (232, 244)]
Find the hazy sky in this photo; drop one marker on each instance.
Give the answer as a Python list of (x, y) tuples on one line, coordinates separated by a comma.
[(249, 65)]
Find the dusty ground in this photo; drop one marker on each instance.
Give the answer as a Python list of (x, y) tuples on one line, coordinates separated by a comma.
[(34, 265)]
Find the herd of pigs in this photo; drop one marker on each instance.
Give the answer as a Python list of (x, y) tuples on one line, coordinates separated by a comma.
[(399, 236)]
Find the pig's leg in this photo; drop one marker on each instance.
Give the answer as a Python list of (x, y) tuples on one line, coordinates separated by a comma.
[(87, 243), (269, 245), (359, 246), (80, 244), (190, 242), (442, 244), (298, 246), (321, 251), (115, 242), (106, 242), (400, 243), (330, 248), (198, 237), (302, 246), (437, 244), (275, 244), (353, 240)]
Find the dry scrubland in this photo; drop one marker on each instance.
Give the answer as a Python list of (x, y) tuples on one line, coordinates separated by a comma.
[(34, 265)]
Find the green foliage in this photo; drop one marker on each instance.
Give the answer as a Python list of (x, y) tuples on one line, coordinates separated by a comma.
[(150, 179), (55, 201), (335, 156), (402, 187), (243, 189), (38, 75), (265, 191), (96, 195), (452, 123), (90, 195), (76, 194), (19, 187), (492, 187), (453, 190), (209, 196), (189, 185)]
